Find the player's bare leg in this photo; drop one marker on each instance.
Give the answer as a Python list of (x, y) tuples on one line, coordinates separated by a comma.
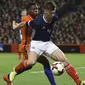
[(59, 55), (23, 66), (20, 68), (19, 55)]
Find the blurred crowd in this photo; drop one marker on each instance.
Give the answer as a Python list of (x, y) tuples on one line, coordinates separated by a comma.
[(69, 30)]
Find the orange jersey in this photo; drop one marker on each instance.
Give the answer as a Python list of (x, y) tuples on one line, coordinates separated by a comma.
[(26, 32)]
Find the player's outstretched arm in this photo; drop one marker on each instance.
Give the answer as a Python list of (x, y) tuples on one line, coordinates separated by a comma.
[(18, 25)]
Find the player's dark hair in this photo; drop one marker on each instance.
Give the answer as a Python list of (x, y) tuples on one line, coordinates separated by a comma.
[(29, 5), (49, 5)]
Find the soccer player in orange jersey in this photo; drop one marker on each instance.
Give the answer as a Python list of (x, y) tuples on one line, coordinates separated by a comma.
[(26, 33), (26, 38)]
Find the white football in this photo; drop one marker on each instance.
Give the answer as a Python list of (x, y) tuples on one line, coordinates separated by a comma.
[(57, 68)]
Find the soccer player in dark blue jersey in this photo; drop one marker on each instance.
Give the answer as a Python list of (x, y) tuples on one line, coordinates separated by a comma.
[(41, 43), (33, 12)]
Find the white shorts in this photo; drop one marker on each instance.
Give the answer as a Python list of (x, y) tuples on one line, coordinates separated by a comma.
[(40, 47)]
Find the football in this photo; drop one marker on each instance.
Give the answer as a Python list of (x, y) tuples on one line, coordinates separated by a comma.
[(57, 68)]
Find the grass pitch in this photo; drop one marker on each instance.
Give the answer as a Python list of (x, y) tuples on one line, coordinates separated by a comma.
[(36, 76)]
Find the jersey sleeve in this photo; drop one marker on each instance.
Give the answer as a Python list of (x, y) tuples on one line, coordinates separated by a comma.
[(33, 23)]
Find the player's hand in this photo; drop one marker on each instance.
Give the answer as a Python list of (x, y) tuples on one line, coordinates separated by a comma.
[(14, 24)]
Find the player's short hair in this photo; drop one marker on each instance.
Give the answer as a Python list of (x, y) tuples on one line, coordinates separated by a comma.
[(29, 5), (50, 5)]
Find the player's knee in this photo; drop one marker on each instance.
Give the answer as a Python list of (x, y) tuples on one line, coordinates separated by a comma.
[(63, 58), (58, 55)]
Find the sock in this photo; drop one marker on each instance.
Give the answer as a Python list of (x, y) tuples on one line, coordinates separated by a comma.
[(71, 72), (49, 75), (22, 67)]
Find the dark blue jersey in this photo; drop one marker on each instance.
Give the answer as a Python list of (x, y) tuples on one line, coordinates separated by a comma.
[(43, 29)]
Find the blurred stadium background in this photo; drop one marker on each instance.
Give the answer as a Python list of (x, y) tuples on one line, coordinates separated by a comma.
[(69, 30), (68, 34)]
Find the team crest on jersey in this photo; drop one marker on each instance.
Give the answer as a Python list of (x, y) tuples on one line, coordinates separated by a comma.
[(43, 28)]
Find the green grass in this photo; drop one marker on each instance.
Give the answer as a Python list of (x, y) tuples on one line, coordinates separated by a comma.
[(9, 60)]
